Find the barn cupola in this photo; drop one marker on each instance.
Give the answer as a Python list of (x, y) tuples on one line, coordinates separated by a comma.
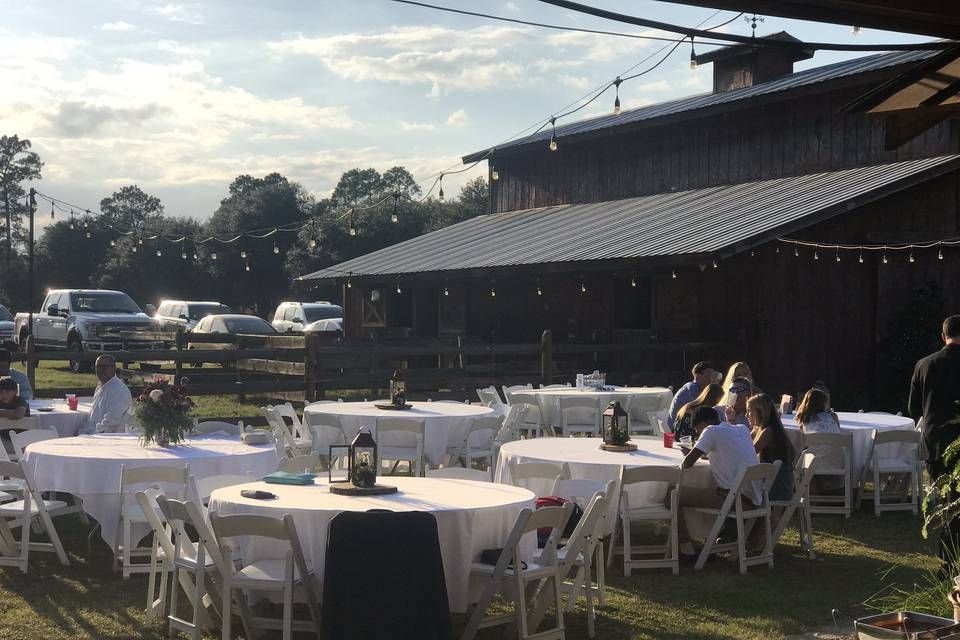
[(744, 65)]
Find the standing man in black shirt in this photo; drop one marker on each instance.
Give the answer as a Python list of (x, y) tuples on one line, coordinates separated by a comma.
[(934, 397)]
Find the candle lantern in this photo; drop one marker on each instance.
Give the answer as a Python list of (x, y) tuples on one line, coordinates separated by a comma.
[(361, 457), (398, 389), (614, 428)]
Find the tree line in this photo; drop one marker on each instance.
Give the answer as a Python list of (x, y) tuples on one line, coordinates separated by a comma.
[(81, 251)]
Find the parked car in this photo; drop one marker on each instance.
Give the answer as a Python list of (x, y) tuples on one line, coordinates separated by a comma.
[(297, 316), (87, 320), (330, 325), (230, 323), (185, 314), (6, 327)]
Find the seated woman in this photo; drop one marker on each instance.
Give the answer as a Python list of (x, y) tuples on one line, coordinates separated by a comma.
[(709, 397), (771, 443), (12, 406), (738, 370), (814, 416)]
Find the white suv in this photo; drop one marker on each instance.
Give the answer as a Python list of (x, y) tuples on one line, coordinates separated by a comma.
[(299, 316), (175, 314)]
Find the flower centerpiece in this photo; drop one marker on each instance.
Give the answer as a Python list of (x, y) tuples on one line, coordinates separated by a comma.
[(163, 411)]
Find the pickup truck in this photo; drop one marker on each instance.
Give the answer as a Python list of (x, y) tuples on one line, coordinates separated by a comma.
[(85, 320)]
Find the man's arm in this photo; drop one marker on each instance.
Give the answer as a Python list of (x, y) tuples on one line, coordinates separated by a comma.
[(115, 406), (691, 458), (915, 402), (13, 414), (26, 391), (676, 404)]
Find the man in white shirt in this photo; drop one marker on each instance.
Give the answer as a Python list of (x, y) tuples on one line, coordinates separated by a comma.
[(730, 449), (112, 401)]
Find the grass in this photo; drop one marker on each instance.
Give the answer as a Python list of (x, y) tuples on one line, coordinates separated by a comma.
[(856, 559)]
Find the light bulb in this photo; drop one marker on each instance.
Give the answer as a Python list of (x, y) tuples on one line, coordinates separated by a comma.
[(399, 290), (860, 259), (494, 175), (134, 248), (838, 256), (885, 259), (113, 243), (553, 144), (693, 55), (243, 254), (183, 255), (349, 284), (633, 282), (616, 106), (493, 293), (71, 225), (312, 243), (796, 251), (276, 249), (194, 256), (583, 288), (753, 253), (446, 291), (394, 218), (159, 253), (88, 235), (140, 240), (816, 256), (353, 230), (539, 291), (52, 213), (553, 133), (940, 254), (213, 256), (246, 267), (673, 274), (777, 250), (911, 255), (715, 265), (440, 195)]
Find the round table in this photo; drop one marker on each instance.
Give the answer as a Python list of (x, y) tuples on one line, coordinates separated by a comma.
[(55, 414), (637, 400), (445, 423), (586, 460), (89, 467), (861, 426), (471, 516)]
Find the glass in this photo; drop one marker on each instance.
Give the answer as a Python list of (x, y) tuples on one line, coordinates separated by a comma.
[(103, 303), (72, 401), (248, 325), (668, 439), (322, 312)]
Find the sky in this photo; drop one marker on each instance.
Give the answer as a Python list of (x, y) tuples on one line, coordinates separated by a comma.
[(182, 98)]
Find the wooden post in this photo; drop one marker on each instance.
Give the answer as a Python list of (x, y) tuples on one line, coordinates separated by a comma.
[(546, 357), (309, 375), (31, 364), (177, 363)]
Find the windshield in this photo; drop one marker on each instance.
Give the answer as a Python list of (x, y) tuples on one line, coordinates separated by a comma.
[(248, 325), (198, 311), (322, 312), (103, 303), (5, 315)]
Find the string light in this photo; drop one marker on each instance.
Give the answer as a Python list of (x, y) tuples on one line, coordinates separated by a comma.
[(715, 265), (140, 240), (911, 254), (838, 254), (493, 289), (633, 282), (796, 250), (553, 133), (134, 249), (246, 267), (777, 250), (399, 290), (693, 55), (72, 227), (616, 101), (349, 283), (583, 288), (183, 254), (940, 252), (816, 256), (113, 243), (89, 235), (440, 182), (353, 228), (213, 256), (395, 217), (753, 254), (313, 243), (673, 274), (159, 253), (446, 290), (885, 255), (52, 213), (276, 249), (194, 255), (243, 254), (860, 258), (494, 174), (539, 290)]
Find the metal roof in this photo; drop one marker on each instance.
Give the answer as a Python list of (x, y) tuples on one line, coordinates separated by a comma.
[(700, 221), (691, 103)]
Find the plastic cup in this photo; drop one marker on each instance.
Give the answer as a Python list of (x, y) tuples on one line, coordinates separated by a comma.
[(72, 402), (668, 439)]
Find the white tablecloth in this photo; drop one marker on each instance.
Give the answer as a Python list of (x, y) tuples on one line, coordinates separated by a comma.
[(638, 400), (445, 423), (89, 467), (471, 516), (67, 423), (586, 460), (861, 426)]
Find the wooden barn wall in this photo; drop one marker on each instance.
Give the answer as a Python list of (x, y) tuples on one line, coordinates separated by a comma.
[(788, 137)]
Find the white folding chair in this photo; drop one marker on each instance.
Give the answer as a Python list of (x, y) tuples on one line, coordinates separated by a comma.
[(508, 391), (556, 386), (658, 420), (512, 571), (906, 463), (733, 508), (300, 464), (400, 439), (534, 423), (22, 439), (14, 486), (579, 415), (283, 439), (199, 489), (216, 426), (803, 473), (459, 473), (22, 513), (477, 442), (665, 555), (826, 445), (285, 575), (301, 439), (172, 481), (489, 396), (538, 477)]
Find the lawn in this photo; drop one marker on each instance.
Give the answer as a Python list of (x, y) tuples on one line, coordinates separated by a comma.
[(86, 600)]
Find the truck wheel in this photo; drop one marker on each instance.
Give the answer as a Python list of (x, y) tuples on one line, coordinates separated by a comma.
[(77, 366)]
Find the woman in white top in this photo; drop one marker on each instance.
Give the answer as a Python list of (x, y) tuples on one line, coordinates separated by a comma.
[(814, 416)]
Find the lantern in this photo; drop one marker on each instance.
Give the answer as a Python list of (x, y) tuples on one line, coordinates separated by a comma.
[(398, 389), (362, 460), (613, 425)]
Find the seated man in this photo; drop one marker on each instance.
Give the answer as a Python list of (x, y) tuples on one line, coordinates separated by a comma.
[(730, 448), (702, 376), (736, 412), (112, 402), (12, 406), (26, 392)]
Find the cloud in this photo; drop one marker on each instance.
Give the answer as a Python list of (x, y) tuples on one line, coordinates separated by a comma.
[(178, 13), (458, 118), (79, 119), (118, 26), (180, 49), (416, 126)]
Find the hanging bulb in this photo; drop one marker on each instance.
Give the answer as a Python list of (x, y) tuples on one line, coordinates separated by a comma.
[(134, 248), (553, 134), (885, 257), (911, 254), (539, 291), (673, 274), (194, 255), (753, 254), (213, 256), (715, 265), (183, 255), (159, 253), (113, 243), (856, 31), (246, 267), (140, 240), (693, 55), (796, 251), (838, 256), (394, 218), (494, 174), (777, 250), (940, 254), (583, 288), (243, 254), (353, 230), (399, 290), (616, 102), (72, 227), (816, 256), (446, 291), (440, 182), (52, 212), (860, 258), (276, 249), (633, 282), (312, 243), (88, 235), (493, 292), (349, 283)]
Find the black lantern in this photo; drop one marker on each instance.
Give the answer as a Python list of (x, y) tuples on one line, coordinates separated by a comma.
[(613, 425), (362, 460), (398, 389)]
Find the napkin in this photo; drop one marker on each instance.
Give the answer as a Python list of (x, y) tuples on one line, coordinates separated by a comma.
[(282, 477)]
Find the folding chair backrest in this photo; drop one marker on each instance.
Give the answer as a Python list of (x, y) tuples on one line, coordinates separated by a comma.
[(482, 431), (388, 425), (165, 474), (20, 440), (842, 439), (652, 473), (248, 525), (326, 430), (151, 510), (508, 391), (459, 473), (300, 464), (516, 415), (896, 436), (658, 420), (187, 512), (587, 526), (489, 396), (26, 422), (573, 488), (286, 445), (574, 402), (199, 489), (290, 418), (11, 470), (520, 471), (214, 426)]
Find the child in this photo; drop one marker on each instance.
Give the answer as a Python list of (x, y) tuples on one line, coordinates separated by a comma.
[(12, 406)]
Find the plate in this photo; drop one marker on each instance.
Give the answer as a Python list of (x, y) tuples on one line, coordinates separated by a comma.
[(45, 409)]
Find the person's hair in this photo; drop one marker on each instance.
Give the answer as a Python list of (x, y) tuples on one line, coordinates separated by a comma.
[(815, 401), (951, 327), (700, 367), (5, 355), (737, 370), (709, 397), (8, 384), (111, 359), (706, 415), (770, 419)]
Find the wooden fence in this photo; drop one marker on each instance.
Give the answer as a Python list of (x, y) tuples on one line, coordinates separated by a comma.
[(316, 366)]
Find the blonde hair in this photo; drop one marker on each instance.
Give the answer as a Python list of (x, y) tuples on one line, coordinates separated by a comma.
[(736, 370), (709, 397)]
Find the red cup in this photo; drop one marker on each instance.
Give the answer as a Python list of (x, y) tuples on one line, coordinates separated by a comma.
[(668, 439), (72, 403)]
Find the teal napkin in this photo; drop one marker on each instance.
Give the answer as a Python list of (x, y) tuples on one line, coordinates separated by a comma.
[(282, 477)]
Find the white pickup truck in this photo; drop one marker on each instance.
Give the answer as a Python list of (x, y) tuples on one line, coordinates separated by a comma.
[(86, 320)]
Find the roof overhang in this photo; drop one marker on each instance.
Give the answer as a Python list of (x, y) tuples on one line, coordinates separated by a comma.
[(646, 232)]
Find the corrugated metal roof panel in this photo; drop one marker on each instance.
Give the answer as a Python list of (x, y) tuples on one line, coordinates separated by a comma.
[(667, 224), (793, 81)]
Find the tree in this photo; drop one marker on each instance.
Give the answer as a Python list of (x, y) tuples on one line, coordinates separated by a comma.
[(17, 165), (473, 201), (130, 208), (67, 258)]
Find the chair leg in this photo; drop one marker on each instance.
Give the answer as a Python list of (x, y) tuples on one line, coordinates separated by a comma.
[(675, 545), (627, 550), (601, 574), (152, 584), (226, 613), (25, 544), (54, 538), (588, 582), (174, 599), (768, 547), (709, 542), (741, 543), (288, 612)]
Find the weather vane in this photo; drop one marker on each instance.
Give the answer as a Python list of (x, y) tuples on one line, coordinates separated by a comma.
[(753, 20)]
